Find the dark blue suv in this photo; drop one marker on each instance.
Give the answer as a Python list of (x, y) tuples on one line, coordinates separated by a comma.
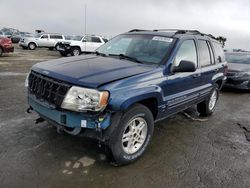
[(134, 80)]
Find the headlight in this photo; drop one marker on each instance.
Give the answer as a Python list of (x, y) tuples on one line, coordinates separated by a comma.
[(26, 83), (83, 99)]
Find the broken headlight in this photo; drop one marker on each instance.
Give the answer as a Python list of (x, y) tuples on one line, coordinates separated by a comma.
[(82, 99)]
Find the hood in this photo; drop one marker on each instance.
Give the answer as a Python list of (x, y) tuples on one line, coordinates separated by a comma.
[(90, 71), (237, 67)]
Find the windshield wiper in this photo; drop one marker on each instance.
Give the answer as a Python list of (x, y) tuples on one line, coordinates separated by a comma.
[(127, 57)]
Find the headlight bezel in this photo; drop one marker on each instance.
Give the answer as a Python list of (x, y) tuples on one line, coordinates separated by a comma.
[(81, 99)]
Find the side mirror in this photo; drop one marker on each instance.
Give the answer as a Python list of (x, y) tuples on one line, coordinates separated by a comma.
[(83, 40), (185, 66)]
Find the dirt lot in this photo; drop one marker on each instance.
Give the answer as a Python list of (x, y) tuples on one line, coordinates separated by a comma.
[(185, 151)]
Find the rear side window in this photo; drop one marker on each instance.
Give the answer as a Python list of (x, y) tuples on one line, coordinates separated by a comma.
[(205, 53), (187, 52), (56, 37), (105, 40), (219, 53), (96, 39)]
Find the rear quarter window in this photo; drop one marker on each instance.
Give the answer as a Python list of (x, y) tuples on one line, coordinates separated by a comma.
[(206, 56), (219, 53)]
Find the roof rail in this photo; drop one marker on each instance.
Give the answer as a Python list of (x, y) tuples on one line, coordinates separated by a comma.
[(136, 30), (176, 31)]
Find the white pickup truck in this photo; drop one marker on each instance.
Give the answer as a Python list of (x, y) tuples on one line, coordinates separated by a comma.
[(80, 44), (46, 40)]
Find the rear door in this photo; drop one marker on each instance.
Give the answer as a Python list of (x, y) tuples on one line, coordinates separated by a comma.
[(208, 66), (181, 89)]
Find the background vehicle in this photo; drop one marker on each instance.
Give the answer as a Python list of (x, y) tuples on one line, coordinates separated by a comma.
[(132, 81), (78, 45), (238, 75), (5, 46), (46, 40), (16, 37)]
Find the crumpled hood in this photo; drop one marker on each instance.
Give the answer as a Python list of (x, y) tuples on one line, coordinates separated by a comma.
[(236, 67), (90, 70)]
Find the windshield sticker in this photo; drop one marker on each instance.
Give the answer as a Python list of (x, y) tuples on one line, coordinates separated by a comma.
[(163, 39)]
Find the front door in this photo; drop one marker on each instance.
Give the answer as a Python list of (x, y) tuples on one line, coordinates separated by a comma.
[(181, 89)]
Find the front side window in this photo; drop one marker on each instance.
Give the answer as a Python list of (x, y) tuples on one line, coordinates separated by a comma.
[(205, 57), (87, 39), (44, 37), (187, 52), (148, 49)]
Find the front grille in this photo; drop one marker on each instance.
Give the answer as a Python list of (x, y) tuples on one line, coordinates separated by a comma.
[(47, 89)]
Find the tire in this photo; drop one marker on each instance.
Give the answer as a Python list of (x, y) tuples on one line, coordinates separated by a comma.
[(1, 51), (32, 46), (64, 54), (57, 47), (128, 131), (207, 107), (75, 51)]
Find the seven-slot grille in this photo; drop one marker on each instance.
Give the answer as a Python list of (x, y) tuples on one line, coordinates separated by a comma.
[(47, 89)]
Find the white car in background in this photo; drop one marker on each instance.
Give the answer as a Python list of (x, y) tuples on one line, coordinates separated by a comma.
[(45, 40), (80, 44)]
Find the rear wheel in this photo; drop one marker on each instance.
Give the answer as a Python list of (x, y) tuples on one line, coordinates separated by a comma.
[(1, 51), (207, 107), (32, 46), (75, 51), (132, 135)]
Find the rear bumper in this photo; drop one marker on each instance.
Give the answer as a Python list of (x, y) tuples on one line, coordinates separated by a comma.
[(67, 118)]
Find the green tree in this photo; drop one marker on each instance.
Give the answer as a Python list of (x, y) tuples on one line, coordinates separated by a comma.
[(222, 40)]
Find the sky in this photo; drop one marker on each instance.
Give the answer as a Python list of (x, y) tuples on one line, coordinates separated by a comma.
[(228, 18)]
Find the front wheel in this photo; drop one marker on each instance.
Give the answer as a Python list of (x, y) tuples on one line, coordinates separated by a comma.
[(132, 135), (75, 51), (32, 46), (207, 107)]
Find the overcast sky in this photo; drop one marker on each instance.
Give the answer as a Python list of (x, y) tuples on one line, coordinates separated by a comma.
[(229, 18)]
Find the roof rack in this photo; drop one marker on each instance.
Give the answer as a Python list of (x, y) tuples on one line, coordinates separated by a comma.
[(176, 31)]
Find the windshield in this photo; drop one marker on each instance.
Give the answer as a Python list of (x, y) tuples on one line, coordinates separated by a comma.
[(241, 58), (148, 49)]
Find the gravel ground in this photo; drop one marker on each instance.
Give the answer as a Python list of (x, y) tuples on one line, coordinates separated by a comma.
[(186, 151)]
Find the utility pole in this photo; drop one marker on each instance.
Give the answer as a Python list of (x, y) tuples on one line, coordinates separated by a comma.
[(85, 19)]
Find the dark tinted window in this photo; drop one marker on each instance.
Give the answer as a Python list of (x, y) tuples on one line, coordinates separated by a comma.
[(205, 57), (241, 58), (105, 40), (187, 52), (96, 39), (56, 37), (219, 53), (44, 37)]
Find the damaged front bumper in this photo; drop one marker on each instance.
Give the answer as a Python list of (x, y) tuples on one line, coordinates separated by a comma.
[(69, 119)]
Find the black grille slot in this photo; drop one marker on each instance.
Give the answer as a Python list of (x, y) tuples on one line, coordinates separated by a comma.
[(47, 89)]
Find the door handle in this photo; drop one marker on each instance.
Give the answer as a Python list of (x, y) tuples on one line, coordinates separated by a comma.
[(196, 75)]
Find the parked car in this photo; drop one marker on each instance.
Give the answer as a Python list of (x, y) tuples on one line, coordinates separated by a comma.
[(9, 31), (84, 44), (5, 46), (238, 75), (16, 37), (45, 40), (132, 81)]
